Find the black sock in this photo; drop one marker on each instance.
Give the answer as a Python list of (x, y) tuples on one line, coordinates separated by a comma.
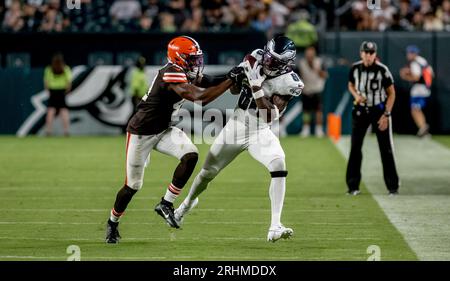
[(122, 199)]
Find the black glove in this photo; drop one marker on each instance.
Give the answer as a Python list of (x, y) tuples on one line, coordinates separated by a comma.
[(237, 75)]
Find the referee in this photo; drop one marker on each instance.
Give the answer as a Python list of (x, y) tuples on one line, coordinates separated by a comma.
[(372, 86)]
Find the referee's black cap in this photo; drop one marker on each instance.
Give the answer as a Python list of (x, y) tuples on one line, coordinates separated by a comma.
[(368, 46)]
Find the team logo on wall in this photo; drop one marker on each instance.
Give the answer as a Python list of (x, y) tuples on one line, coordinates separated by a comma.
[(98, 103)]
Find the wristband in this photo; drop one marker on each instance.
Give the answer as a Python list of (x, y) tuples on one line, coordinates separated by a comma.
[(258, 94), (387, 113)]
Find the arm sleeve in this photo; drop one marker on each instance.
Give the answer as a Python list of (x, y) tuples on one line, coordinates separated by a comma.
[(209, 80)]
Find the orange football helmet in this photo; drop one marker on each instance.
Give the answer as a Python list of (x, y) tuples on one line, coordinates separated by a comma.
[(185, 52)]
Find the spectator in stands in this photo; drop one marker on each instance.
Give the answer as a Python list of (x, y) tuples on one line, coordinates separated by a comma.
[(383, 18), (58, 82), (52, 21), (178, 9), (278, 13), (194, 23), (167, 22), (145, 23), (398, 24), (31, 21), (239, 16), (313, 74), (443, 13), (417, 20), (13, 17), (214, 17), (301, 31), (224, 15), (425, 7), (432, 23), (262, 23), (139, 84)]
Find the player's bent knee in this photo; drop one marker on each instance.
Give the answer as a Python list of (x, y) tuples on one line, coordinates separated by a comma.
[(190, 149), (136, 185), (278, 164)]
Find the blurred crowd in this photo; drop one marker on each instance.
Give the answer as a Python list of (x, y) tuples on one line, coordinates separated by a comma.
[(269, 16)]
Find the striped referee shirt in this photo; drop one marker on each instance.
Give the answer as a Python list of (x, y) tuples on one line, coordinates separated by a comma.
[(371, 82)]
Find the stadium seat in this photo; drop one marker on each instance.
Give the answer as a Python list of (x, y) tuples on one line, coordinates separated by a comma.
[(100, 58), (230, 57), (127, 58), (18, 60)]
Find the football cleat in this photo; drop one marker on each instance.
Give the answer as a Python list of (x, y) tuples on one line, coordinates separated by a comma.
[(166, 211), (278, 233), (112, 232), (353, 192), (183, 209), (393, 193)]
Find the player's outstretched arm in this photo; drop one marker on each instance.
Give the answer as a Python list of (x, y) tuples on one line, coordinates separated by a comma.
[(195, 93)]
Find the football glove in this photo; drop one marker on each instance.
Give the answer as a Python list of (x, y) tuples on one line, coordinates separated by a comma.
[(237, 75), (254, 75)]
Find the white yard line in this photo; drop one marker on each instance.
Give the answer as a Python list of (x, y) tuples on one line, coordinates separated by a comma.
[(56, 210), (422, 210), (159, 223), (173, 238)]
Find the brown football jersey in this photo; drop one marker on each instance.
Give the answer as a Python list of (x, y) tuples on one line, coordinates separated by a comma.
[(155, 110)]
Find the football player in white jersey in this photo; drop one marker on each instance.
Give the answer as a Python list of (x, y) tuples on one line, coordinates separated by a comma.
[(264, 94)]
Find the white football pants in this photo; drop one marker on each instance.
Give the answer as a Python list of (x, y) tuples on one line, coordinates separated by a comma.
[(173, 142), (244, 132)]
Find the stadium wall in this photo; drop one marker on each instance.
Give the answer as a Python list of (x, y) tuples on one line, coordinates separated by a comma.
[(339, 49)]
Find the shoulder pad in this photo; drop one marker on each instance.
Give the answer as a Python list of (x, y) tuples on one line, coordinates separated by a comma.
[(174, 74), (294, 85), (258, 54)]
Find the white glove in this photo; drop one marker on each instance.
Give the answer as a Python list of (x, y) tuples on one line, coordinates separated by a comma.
[(254, 76)]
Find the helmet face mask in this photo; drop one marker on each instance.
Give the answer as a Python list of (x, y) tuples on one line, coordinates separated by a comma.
[(194, 65), (279, 56)]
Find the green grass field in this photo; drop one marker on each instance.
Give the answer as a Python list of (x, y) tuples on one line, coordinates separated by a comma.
[(445, 140), (56, 192)]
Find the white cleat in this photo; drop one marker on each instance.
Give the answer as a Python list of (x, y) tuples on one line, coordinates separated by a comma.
[(183, 209), (278, 233)]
